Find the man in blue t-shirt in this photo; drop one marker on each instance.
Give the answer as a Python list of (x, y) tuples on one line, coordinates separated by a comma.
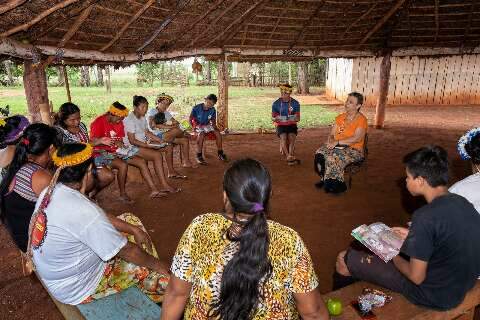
[(439, 259), (285, 115), (204, 121)]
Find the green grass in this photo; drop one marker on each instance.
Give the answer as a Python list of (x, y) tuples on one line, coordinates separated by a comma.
[(249, 108)]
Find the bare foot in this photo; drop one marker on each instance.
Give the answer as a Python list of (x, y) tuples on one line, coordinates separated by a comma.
[(126, 199), (171, 190), (157, 194)]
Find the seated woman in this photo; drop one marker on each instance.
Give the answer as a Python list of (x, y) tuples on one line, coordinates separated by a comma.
[(71, 130), (238, 264), (25, 178), (469, 149), (106, 261), (149, 146), (344, 146), (11, 129), (116, 154), (170, 129)]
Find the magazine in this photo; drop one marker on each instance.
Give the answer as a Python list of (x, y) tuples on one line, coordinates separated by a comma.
[(380, 239), (286, 118)]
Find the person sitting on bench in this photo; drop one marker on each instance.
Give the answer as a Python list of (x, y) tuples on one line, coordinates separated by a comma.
[(442, 243), (469, 149), (239, 264), (344, 146), (82, 253), (204, 121)]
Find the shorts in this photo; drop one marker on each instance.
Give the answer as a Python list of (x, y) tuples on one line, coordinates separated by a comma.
[(159, 135), (204, 128), (287, 129), (104, 159)]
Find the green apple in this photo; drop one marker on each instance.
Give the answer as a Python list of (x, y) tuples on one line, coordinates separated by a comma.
[(334, 306)]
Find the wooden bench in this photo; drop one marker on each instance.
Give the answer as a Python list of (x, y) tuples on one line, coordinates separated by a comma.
[(400, 308), (131, 304)]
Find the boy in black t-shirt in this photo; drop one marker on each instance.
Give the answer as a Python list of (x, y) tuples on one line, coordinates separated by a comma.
[(443, 242)]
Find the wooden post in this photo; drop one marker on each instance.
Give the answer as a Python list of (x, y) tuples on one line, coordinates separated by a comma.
[(67, 84), (383, 90), (302, 78), (222, 121), (109, 83), (36, 92)]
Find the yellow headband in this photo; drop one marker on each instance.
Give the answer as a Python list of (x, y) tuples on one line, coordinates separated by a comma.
[(2, 122), (164, 96), (286, 88), (73, 159), (117, 112)]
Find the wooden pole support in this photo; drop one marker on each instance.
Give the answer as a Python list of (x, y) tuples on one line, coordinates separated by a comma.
[(223, 94), (67, 84), (383, 90), (36, 92), (109, 83)]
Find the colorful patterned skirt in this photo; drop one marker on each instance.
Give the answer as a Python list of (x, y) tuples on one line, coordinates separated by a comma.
[(336, 160), (120, 274)]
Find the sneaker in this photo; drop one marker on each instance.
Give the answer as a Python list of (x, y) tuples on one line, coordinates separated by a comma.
[(222, 157), (334, 186), (201, 161), (319, 184)]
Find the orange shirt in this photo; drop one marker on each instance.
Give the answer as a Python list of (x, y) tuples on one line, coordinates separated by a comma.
[(344, 131)]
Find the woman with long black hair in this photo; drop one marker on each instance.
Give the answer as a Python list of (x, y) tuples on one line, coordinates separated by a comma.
[(239, 265), (25, 178), (11, 129)]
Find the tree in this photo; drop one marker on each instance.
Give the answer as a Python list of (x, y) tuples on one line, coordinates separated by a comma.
[(99, 76), (303, 87), (85, 76), (61, 76), (148, 72)]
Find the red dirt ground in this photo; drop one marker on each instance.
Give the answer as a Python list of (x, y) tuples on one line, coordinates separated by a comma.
[(324, 221)]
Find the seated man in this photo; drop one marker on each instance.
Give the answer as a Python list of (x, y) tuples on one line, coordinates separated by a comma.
[(82, 253), (204, 121), (469, 148), (344, 146), (285, 115), (442, 244)]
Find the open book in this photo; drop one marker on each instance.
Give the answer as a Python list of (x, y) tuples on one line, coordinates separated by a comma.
[(380, 239)]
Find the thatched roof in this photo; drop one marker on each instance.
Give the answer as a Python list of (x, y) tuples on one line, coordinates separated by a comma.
[(124, 31)]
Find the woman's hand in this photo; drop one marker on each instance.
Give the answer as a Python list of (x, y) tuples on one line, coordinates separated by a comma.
[(143, 239), (331, 144), (107, 141), (401, 232)]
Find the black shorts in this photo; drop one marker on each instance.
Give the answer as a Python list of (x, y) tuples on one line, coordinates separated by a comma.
[(287, 129)]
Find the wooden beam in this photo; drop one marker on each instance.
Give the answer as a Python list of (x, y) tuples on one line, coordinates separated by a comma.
[(383, 20), (164, 24), (383, 91), (125, 27), (213, 24), (36, 92), (38, 18), (307, 23), (437, 20), (73, 29), (11, 5), (189, 28), (236, 21), (359, 19), (222, 81)]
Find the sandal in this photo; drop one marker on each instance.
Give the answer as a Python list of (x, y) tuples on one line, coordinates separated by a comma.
[(177, 176), (177, 190), (157, 194), (293, 162), (126, 199)]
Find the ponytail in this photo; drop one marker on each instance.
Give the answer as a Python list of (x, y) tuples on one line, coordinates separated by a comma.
[(247, 185)]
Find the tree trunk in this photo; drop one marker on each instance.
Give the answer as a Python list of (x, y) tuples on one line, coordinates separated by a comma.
[(222, 80), (61, 76), (36, 92), (209, 73), (65, 80), (383, 91), (85, 76), (290, 73), (109, 82), (162, 74), (8, 69), (100, 76), (302, 78)]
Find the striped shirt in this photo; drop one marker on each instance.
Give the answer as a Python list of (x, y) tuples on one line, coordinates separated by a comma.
[(22, 183)]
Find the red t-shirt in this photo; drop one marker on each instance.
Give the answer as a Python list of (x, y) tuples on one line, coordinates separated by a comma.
[(101, 127)]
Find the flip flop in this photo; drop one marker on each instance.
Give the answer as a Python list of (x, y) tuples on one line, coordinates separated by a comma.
[(177, 176), (293, 162), (157, 194), (126, 199), (177, 190)]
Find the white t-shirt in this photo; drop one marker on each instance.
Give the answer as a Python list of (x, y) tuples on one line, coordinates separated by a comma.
[(469, 188), (150, 114), (132, 124), (79, 241)]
